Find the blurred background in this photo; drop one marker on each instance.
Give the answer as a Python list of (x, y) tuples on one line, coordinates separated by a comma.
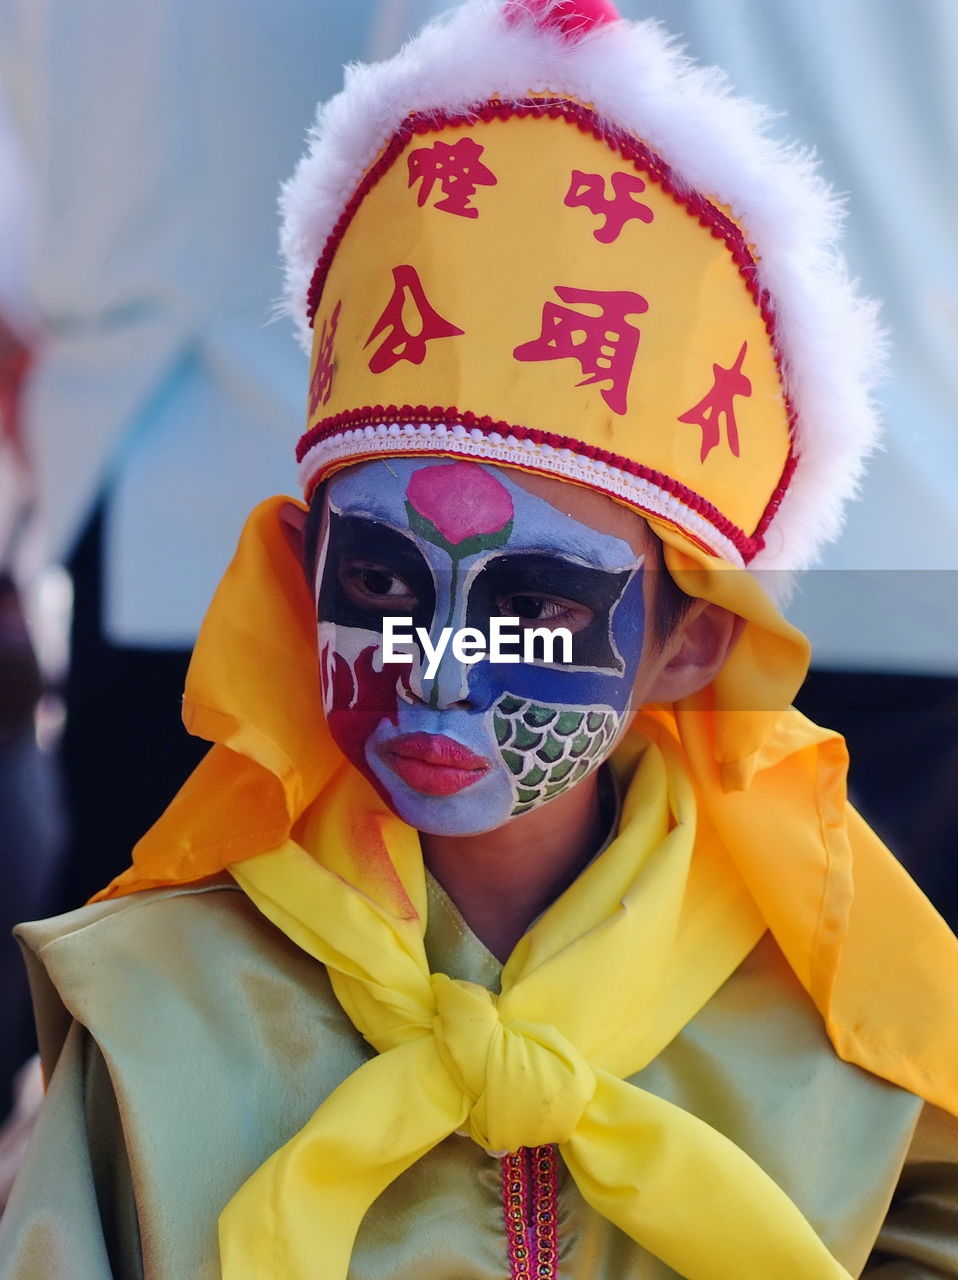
[(147, 401)]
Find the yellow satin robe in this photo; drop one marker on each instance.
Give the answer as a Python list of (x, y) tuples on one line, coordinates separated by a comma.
[(191, 1038)]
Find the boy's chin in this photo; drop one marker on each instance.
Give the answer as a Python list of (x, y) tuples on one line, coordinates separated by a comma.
[(443, 816), (486, 806)]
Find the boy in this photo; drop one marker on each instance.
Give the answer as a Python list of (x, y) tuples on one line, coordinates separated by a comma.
[(571, 965)]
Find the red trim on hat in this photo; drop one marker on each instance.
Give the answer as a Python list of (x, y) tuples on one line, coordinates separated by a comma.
[(382, 415), (775, 501), (646, 161)]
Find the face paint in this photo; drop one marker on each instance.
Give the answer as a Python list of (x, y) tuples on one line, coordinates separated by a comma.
[(457, 544)]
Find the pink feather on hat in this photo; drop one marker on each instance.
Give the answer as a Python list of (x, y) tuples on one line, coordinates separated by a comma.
[(573, 18)]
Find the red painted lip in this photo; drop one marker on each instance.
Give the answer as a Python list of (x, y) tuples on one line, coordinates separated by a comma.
[(434, 748), (433, 764)]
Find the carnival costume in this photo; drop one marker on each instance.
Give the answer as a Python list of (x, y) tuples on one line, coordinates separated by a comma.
[(538, 238)]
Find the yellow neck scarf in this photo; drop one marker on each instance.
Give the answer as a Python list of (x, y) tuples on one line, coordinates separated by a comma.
[(540, 1063), (734, 821)]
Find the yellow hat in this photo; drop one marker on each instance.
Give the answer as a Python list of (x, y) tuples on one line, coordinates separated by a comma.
[(539, 237)]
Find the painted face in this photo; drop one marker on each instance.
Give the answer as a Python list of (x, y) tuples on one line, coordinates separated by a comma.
[(460, 748)]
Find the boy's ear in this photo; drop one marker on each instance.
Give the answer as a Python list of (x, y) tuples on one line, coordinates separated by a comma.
[(293, 523), (696, 651)]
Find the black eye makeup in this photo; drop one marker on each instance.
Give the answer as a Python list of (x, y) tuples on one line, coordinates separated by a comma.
[(371, 586), (372, 571), (549, 591), (534, 609)]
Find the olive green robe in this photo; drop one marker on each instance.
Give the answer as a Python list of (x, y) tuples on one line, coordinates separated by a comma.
[(191, 1038)]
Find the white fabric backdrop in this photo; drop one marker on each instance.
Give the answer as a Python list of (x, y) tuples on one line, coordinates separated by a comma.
[(156, 266), (156, 136)]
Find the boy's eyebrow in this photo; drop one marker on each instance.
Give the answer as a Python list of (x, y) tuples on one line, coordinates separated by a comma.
[(582, 557), (594, 557), (598, 588)]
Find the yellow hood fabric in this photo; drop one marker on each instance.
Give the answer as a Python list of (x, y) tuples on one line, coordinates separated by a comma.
[(734, 821)]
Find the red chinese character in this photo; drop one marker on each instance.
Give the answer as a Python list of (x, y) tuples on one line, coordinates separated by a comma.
[(719, 403), (605, 344), (458, 170), (400, 342), (588, 190), (321, 383)]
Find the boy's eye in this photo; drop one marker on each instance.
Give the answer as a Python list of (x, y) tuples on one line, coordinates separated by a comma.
[(528, 607), (545, 611), (381, 583), (376, 587)]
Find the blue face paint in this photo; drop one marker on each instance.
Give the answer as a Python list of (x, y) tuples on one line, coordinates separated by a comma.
[(455, 544)]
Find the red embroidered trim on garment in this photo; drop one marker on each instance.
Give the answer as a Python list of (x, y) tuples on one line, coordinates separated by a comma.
[(644, 159), (530, 1205), (378, 415)]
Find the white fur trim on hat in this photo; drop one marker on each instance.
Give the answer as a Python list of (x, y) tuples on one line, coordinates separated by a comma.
[(635, 76)]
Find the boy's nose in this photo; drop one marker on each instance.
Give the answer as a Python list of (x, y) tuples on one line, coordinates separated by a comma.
[(447, 687)]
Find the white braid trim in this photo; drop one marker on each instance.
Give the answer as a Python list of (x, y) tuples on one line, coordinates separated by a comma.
[(354, 444)]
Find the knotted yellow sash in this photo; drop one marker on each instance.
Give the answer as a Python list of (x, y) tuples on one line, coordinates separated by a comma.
[(540, 1063), (734, 821)]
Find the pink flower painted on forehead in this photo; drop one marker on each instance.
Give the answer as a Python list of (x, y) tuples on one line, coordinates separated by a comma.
[(459, 507)]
